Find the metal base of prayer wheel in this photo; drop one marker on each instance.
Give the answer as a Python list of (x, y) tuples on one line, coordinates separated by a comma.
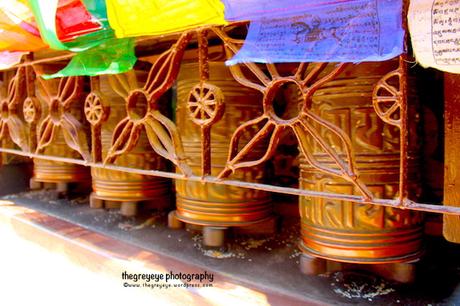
[(125, 191), (217, 207), (130, 208), (350, 232), (401, 272), (366, 248), (215, 236), (57, 174), (61, 187)]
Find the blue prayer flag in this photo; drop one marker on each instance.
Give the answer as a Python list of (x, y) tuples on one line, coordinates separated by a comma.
[(324, 31)]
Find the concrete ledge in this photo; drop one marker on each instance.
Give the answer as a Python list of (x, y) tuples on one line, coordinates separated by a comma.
[(105, 255)]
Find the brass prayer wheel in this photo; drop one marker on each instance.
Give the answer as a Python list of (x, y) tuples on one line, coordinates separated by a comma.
[(211, 204), (51, 98), (118, 188), (352, 232)]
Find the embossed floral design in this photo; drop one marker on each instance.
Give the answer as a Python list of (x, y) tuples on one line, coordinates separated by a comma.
[(59, 116), (10, 122), (267, 129), (144, 111)]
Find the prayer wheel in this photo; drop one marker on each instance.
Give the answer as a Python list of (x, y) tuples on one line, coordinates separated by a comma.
[(47, 171), (113, 189), (344, 231), (210, 205)]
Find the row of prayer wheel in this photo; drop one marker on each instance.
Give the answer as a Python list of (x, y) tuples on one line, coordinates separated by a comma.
[(340, 231)]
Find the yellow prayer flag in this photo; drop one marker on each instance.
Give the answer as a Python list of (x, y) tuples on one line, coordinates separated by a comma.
[(156, 17)]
